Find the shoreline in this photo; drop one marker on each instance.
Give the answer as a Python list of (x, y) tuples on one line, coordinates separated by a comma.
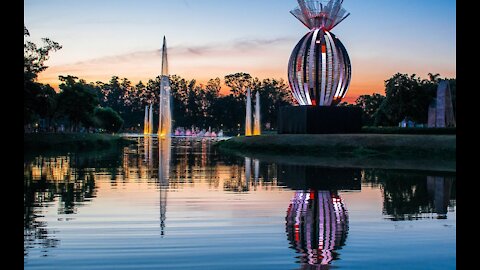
[(65, 142), (393, 151)]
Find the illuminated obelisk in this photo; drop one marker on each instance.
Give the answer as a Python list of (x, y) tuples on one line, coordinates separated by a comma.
[(257, 128), (165, 113), (248, 116), (145, 121), (150, 120)]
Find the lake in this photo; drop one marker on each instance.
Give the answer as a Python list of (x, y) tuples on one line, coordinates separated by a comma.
[(182, 204)]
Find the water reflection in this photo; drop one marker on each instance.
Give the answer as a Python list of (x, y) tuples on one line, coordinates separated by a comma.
[(164, 156), (207, 192), (439, 189), (48, 178), (413, 195), (317, 226), (317, 218)]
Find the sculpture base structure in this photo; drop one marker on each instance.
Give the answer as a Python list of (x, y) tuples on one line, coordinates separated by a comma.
[(304, 177), (319, 120)]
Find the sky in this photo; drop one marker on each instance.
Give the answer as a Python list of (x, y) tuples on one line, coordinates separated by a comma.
[(214, 38)]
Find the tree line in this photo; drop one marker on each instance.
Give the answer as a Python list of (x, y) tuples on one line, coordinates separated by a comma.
[(406, 97), (120, 104), (201, 105)]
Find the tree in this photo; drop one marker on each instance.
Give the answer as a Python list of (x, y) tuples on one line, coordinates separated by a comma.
[(229, 112), (108, 119), (34, 57), (406, 97), (39, 101), (238, 83), (273, 95), (434, 77), (77, 100), (370, 105)]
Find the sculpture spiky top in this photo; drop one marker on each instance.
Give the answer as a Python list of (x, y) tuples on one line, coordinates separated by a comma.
[(319, 69), (318, 14)]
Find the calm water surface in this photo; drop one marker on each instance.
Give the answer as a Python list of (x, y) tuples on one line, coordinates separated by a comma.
[(180, 204)]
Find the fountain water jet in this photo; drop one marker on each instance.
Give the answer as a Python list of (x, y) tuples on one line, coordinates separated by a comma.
[(165, 113), (257, 127), (150, 120), (248, 117), (145, 121)]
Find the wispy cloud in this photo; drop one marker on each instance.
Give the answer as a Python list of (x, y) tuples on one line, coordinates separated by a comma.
[(259, 57), (255, 43)]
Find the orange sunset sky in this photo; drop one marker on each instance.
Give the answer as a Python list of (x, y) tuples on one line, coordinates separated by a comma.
[(213, 38)]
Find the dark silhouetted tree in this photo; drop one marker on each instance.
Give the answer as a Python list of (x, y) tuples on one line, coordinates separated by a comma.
[(34, 57), (238, 82), (370, 105), (406, 97), (77, 100), (108, 119)]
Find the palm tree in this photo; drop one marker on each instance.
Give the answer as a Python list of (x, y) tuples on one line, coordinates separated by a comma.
[(434, 77)]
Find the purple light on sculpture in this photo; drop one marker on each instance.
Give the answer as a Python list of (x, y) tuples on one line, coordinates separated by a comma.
[(317, 226), (319, 69)]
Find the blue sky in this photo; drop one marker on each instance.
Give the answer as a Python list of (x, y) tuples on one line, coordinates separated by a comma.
[(212, 38)]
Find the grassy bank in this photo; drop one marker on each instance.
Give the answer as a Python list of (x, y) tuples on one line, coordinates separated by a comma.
[(441, 147), (71, 141), (419, 131)]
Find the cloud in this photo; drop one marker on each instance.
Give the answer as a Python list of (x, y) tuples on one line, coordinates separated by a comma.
[(256, 43), (259, 57), (198, 50)]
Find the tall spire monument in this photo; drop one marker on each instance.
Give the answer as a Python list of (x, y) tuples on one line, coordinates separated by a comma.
[(165, 113)]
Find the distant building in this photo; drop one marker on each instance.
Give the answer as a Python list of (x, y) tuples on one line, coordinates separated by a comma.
[(406, 123)]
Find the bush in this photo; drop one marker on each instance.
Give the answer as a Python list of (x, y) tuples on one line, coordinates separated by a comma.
[(108, 119)]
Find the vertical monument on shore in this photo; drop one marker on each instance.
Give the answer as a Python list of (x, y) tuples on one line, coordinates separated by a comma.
[(165, 113), (440, 111)]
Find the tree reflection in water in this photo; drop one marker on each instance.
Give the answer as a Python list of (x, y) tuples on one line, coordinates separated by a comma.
[(70, 179), (317, 218), (414, 195)]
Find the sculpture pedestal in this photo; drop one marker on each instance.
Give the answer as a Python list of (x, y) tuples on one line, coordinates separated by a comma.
[(319, 120), (305, 177)]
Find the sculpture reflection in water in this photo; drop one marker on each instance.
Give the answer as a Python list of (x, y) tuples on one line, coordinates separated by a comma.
[(317, 218), (317, 225)]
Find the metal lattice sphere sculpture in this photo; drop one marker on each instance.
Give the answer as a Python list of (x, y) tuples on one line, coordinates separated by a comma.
[(319, 69)]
